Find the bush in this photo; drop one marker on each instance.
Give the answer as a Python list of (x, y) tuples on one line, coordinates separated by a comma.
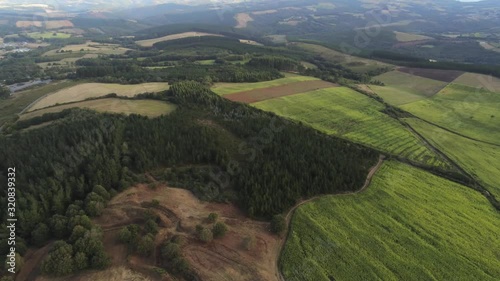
[(205, 235), (151, 227), (219, 230), (146, 245), (212, 217)]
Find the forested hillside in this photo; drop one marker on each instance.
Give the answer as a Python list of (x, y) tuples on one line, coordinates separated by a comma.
[(77, 163)]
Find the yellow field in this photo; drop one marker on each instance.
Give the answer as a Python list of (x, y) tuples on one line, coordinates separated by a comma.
[(92, 90), (91, 48), (151, 108), (151, 42), (408, 37)]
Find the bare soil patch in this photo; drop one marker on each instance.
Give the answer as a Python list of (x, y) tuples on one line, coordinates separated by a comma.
[(54, 24), (436, 74), (26, 23), (279, 91), (243, 19)]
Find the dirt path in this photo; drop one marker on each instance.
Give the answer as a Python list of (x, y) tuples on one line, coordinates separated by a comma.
[(289, 215)]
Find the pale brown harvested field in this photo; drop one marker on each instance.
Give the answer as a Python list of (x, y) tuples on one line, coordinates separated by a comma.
[(151, 42), (93, 90), (27, 23), (279, 91), (479, 81), (53, 24), (243, 19)]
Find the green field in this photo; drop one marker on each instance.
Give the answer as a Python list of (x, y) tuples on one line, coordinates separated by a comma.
[(472, 112), (479, 159), (151, 108), (48, 35), (408, 225), (351, 115), (401, 88), (10, 107), (229, 88)]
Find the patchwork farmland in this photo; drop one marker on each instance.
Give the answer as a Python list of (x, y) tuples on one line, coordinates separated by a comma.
[(401, 88), (351, 115), (469, 111), (407, 225), (278, 91), (93, 90), (479, 159)]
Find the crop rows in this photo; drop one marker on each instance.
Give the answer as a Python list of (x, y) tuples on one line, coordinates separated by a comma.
[(348, 114), (408, 225)]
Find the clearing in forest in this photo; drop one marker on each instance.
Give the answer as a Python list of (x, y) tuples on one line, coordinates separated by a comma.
[(407, 225), (89, 48), (93, 90), (151, 42), (279, 91), (468, 111), (230, 88), (151, 108), (242, 20), (401, 88), (348, 114)]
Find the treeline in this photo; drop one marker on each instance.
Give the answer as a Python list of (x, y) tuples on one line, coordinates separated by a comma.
[(126, 71), (279, 63), (164, 30), (411, 61)]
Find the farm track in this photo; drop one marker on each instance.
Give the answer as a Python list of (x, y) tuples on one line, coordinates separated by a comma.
[(290, 213)]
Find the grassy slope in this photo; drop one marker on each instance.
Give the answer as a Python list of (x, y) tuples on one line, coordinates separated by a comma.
[(479, 81), (472, 112), (408, 225), (229, 88), (344, 112), (91, 90), (151, 108), (349, 61), (479, 159), (401, 88), (9, 108)]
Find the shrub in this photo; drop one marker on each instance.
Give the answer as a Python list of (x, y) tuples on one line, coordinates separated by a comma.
[(219, 230)]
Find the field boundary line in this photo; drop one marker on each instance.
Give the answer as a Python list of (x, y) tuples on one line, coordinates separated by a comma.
[(290, 213)]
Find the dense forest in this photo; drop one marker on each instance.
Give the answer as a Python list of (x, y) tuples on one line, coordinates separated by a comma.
[(76, 164)]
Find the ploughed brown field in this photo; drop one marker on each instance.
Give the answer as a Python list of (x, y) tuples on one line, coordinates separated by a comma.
[(436, 74), (279, 91)]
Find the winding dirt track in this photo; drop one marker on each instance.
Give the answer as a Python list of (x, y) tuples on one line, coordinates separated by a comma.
[(288, 217)]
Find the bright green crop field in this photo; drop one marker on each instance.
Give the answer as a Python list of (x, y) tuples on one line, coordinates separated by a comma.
[(469, 111), (408, 225), (479, 159), (229, 88), (401, 88), (343, 112)]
